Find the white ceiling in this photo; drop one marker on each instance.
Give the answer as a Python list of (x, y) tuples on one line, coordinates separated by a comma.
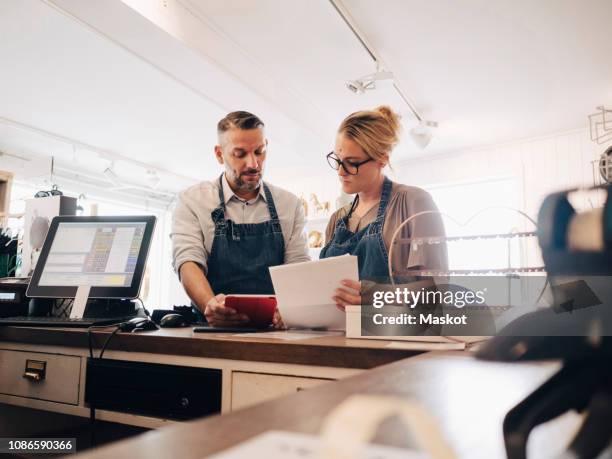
[(147, 80)]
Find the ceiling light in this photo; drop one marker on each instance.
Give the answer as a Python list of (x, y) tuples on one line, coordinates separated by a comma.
[(422, 133), (110, 175), (152, 178), (368, 82)]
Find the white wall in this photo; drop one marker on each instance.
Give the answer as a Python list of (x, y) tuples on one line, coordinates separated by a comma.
[(540, 165)]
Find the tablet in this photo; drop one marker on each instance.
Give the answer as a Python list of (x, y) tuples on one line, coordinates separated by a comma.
[(259, 308)]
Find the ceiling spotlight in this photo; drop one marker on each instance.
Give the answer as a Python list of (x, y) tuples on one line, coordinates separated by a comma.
[(110, 175), (152, 178), (422, 133), (368, 82)]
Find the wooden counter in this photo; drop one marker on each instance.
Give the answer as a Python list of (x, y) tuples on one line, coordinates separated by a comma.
[(253, 369)]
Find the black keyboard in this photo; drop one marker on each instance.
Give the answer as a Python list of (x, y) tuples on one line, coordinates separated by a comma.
[(63, 321)]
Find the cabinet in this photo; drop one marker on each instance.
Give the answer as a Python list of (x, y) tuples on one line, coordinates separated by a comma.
[(59, 382), (252, 388)]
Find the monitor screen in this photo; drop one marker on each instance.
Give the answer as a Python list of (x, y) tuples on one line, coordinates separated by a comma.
[(106, 253)]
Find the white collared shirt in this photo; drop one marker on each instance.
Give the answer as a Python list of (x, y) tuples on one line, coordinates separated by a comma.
[(193, 229)]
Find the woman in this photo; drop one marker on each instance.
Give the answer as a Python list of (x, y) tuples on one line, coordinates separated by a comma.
[(365, 228)]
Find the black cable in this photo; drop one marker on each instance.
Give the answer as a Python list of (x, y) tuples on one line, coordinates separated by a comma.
[(92, 409), (108, 341), (91, 356), (105, 345), (92, 426), (144, 308)]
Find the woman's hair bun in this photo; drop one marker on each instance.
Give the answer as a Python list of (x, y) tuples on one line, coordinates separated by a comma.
[(392, 118), (376, 131)]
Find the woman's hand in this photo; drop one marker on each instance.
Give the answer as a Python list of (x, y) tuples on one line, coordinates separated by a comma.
[(277, 321), (218, 315), (348, 294)]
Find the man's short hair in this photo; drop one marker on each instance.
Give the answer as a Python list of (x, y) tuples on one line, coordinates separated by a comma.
[(239, 120)]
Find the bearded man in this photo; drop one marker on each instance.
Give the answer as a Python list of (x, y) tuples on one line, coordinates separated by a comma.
[(227, 232)]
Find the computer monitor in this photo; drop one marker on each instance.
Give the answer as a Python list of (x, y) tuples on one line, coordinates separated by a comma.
[(107, 254)]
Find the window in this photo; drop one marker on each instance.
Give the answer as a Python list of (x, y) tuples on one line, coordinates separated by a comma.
[(160, 289), (484, 207)]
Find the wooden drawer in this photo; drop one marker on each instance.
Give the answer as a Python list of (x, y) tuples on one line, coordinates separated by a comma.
[(252, 388), (61, 382)]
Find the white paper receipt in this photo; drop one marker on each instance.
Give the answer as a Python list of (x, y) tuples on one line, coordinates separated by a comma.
[(304, 291), (289, 445)]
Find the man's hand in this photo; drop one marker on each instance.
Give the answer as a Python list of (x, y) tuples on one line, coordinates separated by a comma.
[(348, 294), (218, 315)]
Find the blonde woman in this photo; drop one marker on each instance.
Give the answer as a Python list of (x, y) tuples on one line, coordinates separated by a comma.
[(364, 228)]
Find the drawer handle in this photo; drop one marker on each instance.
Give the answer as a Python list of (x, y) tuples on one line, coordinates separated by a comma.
[(35, 370)]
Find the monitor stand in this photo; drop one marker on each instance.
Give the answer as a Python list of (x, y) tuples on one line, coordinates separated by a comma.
[(80, 301)]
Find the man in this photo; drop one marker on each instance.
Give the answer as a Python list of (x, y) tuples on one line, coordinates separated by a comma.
[(227, 232)]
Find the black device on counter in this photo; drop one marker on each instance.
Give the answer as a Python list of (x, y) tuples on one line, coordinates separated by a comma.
[(168, 391), (138, 324), (186, 312), (173, 321), (579, 336), (13, 300)]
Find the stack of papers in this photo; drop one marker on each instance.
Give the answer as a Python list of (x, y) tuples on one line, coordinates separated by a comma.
[(304, 291)]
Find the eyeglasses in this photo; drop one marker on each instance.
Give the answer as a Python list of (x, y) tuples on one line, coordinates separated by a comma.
[(350, 167)]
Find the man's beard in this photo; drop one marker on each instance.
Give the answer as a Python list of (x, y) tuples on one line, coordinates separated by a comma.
[(241, 184)]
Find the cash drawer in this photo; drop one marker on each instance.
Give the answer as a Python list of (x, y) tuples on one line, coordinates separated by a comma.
[(152, 389), (40, 376)]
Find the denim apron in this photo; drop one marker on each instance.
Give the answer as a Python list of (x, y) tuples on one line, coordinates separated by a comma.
[(367, 244), (242, 253)]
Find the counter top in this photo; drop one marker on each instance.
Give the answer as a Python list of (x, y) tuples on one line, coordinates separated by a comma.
[(330, 351)]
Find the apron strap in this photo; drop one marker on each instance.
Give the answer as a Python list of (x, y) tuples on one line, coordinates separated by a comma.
[(272, 209), (221, 194), (384, 200), (218, 215), (382, 205), (353, 206)]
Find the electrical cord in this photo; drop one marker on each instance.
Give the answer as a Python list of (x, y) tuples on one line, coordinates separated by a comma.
[(92, 408), (146, 311), (90, 338), (108, 341), (118, 327)]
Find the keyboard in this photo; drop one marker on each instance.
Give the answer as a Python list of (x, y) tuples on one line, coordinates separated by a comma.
[(83, 322)]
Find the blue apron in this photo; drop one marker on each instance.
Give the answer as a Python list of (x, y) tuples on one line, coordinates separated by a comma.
[(242, 253), (367, 244)]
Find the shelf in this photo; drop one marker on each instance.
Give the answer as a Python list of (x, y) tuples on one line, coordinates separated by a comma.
[(467, 272), (474, 237)]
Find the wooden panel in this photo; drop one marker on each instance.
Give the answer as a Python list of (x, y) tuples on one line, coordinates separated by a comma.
[(253, 388), (61, 383)]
